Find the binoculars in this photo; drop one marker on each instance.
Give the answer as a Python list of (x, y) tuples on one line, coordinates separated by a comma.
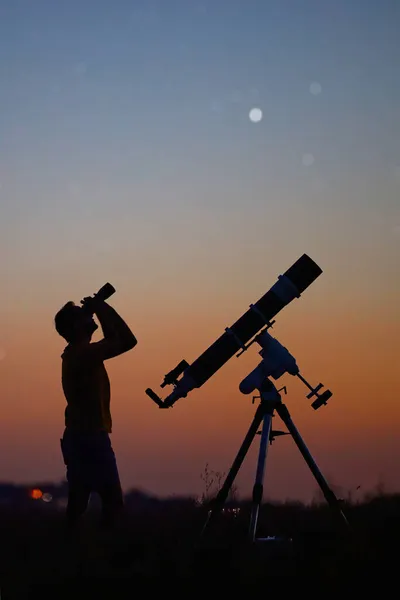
[(103, 293)]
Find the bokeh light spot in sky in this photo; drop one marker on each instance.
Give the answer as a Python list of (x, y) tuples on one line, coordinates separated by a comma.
[(80, 69), (307, 160), (315, 88), (255, 115)]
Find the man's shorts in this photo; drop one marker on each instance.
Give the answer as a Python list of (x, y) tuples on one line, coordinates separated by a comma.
[(89, 459)]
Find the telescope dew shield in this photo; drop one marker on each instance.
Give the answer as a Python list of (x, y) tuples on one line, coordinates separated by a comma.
[(289, 286)]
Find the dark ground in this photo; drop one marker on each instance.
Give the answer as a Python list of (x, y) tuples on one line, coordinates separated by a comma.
[(160, 547)]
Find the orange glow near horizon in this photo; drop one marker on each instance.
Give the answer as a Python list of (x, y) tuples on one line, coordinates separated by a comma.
[(353, 438)]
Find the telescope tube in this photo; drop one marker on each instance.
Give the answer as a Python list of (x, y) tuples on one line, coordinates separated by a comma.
[(288, 286)]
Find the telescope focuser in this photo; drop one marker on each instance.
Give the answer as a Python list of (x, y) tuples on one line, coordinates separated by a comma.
[(171, 378)]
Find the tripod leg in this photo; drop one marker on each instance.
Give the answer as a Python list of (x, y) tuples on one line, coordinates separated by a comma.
[(258, 486), (222, 495), (326, 490)]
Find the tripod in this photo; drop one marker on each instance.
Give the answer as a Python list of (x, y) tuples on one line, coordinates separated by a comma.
[(270, 401)]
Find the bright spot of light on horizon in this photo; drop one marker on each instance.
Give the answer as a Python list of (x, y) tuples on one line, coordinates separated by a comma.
[(36, 494)]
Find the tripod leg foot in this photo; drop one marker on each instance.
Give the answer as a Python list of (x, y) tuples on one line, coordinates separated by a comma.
[(218, 502), (258, 488)]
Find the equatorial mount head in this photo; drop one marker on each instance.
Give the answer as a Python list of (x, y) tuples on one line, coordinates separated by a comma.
[(277, 360)]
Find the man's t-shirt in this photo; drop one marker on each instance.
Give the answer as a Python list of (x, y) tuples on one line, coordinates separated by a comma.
[(86, 388)]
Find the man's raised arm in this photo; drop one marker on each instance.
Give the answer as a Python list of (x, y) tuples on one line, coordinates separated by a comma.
[(118, 338), (114, 326)]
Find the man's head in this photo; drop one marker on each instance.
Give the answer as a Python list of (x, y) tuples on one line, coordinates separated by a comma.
[(74, 323)]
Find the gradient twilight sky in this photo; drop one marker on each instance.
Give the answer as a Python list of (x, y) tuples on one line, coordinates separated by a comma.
[(127, 155)]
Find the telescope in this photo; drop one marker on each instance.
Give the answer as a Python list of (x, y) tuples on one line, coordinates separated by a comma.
[(276, 360), (290, 285)]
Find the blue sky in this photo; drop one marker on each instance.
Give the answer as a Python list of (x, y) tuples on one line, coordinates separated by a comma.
[(138, 112), (116, 84)]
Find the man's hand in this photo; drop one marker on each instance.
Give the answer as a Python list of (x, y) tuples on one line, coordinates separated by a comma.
[(91, 304)]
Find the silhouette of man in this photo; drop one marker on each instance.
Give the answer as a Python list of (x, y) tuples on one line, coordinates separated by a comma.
[(86, 446)]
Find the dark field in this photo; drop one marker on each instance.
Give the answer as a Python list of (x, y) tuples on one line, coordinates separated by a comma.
[(159, 546)]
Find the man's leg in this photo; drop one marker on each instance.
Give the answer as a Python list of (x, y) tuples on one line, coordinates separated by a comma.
[(79, 490), (109, 485), (112, 505), (78, 500), (119, 546)]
